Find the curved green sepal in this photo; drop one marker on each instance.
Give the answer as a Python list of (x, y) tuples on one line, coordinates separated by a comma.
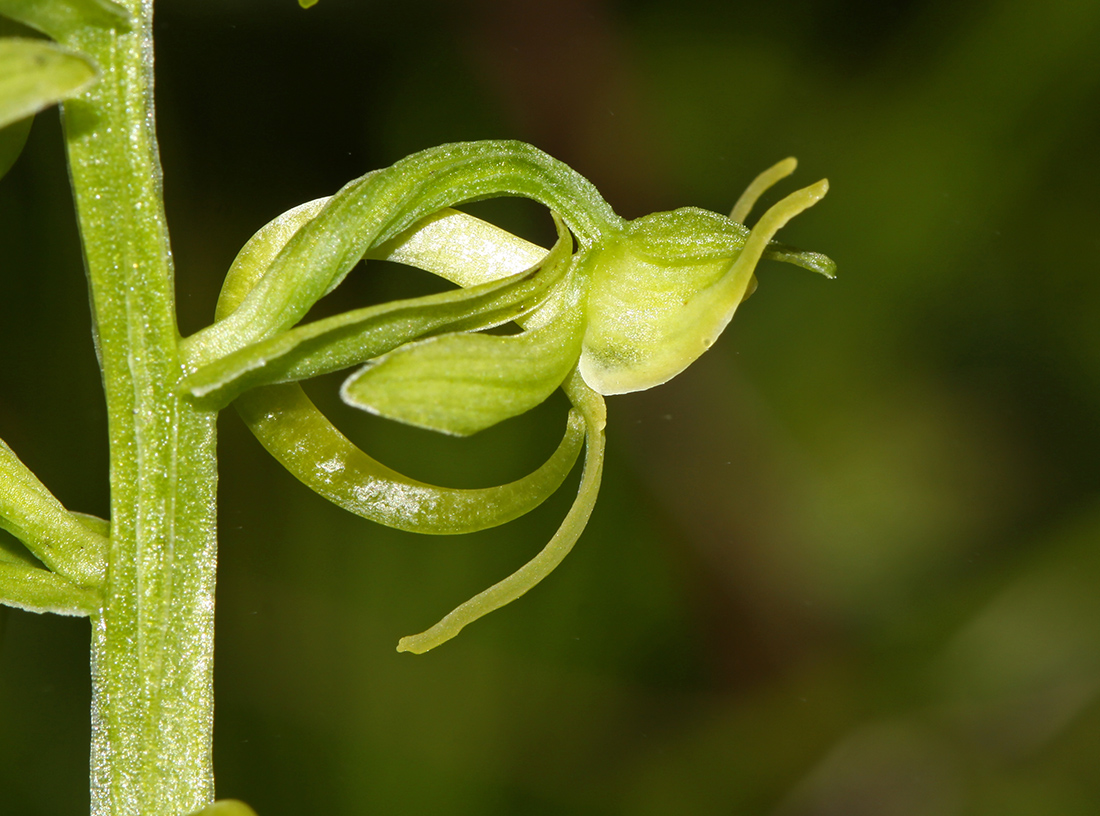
[(35, 74), (375, 208), (59, 18), (352, 338), (291, 428), (298, 435), (591, 407), (226, 807), (463, 383), (12, 139), (307, 3), (244, 273)]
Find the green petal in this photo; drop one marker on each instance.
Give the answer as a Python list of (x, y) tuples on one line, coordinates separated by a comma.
[(59, 18), (460, 248), (35, 74), (463, 383), (591, 406), (354, 337), (813, 261), (775, 251), (291, 428), (311, 448)]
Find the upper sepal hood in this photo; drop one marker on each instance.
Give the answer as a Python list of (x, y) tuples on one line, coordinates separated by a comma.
[(651, 307), (662, 293)]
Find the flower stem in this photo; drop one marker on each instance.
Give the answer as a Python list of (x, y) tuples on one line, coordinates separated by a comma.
[(152, 641)]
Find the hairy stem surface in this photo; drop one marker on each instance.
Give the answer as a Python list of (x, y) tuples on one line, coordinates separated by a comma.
[(152, 641)]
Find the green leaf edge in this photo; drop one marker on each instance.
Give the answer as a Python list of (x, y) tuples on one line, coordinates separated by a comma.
[(39, 590)]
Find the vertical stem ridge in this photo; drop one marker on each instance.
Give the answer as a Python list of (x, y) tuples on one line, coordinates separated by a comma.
[(152, 643)]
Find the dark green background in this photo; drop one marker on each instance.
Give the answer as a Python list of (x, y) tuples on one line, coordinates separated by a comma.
[(847, 565)]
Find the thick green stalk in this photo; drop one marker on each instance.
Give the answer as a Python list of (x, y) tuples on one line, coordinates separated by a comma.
[(152, 642)]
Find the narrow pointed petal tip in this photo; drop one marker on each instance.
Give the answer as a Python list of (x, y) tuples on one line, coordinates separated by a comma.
[(777, 172)]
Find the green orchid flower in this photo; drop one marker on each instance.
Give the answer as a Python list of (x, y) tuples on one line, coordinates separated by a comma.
[(614, 306)]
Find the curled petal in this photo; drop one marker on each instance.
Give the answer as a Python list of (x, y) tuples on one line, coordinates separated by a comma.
[(591, 407), (296, 433), (379, 206), (354, 337), (460, 248)]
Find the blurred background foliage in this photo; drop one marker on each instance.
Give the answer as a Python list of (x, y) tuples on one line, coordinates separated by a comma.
[(848, 563)]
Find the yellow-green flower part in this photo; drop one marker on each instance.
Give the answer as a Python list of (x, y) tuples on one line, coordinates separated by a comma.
[(615, 306)]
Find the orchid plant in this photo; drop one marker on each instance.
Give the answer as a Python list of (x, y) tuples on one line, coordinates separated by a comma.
[(613, 306)]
